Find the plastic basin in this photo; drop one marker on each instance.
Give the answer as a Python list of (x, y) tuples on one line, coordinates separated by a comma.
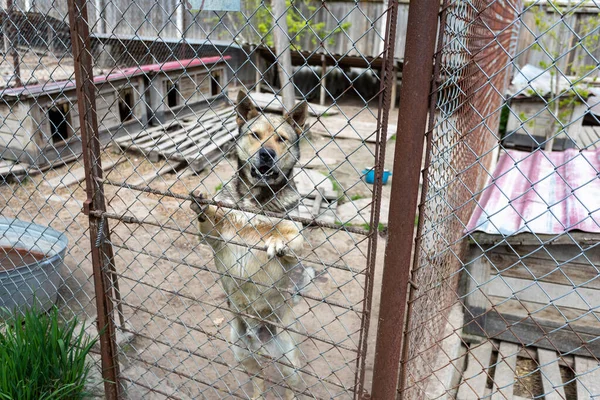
[(31, 263)]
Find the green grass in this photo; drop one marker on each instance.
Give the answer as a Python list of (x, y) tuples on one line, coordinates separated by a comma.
[(42, 357), (381, 227), (335, 185), (218, 187), (393, 137), (357, 197)]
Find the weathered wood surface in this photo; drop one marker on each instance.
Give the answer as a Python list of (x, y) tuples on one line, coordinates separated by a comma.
[(199, 143), (473, 385), (319, 200), (551, 378), (587, 373), (504, 376), (566, 266)]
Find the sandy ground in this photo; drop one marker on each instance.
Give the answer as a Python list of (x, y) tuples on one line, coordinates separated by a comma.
[(170, 295)]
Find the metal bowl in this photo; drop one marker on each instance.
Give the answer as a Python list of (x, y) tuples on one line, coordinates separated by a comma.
[(31, 262)]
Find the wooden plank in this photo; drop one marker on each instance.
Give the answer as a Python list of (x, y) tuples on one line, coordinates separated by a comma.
[(543, 293), (214, 144), (478, 269), (544, 329), (529, 239), (545, 269), (551, 379), (309, 181), (549, 315), (587, 373), (504, 377), (8, 168), (227, 131), (316, 206), (475, 376), (78, 175), (459, 366)]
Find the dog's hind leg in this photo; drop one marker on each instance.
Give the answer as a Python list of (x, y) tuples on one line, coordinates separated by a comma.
[(246, 358), (288, 343)]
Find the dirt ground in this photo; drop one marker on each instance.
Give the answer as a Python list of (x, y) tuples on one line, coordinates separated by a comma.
[(170, 296)]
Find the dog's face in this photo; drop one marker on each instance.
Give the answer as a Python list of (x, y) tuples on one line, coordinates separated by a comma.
[(268, 146)]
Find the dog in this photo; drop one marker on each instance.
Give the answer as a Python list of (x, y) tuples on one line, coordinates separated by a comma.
[(257, 282)]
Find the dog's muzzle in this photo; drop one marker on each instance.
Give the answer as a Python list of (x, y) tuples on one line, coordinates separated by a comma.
[(265, 167)]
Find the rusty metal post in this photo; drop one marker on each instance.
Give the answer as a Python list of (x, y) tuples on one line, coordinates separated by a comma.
[(387, 69), (101, 259), (412, 123)]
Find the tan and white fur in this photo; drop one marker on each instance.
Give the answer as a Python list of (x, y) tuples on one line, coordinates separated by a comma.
[(257, 283)]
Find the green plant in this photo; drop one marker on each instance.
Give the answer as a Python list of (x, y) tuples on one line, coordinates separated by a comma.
[(504, 114), (357, 197), (42, 357), (219, 187), (298, 18)]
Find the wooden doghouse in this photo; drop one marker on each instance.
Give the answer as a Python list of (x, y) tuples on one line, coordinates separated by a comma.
[(531, 274), (40, 122), (182, 88)]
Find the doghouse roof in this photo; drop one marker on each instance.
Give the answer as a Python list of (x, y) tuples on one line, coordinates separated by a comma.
[(126, 73), (542, 193)]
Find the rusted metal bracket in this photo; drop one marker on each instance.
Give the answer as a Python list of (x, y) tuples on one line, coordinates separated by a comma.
[(102, 255)]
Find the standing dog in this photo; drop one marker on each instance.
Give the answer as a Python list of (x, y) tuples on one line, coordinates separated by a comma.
[(257, 282)]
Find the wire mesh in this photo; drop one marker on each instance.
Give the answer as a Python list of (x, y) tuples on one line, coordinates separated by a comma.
[(274, 299), (502, 301)]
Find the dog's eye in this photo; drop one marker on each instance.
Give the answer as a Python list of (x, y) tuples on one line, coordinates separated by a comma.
[(254, 135), (280, 139)]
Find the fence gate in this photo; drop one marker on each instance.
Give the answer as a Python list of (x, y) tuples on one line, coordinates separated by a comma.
[(232, 231), (503, 288)]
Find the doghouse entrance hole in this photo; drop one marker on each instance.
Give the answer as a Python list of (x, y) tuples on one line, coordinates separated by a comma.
[(215, 83), (172, 94), (126, 104), (60, 122)]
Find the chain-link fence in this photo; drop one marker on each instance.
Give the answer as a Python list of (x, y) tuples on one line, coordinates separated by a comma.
[(503, 293), (217, 177), (44, 240), (230, 226)]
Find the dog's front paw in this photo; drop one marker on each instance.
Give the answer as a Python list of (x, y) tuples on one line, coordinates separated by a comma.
[(276, 247), (200, 209)]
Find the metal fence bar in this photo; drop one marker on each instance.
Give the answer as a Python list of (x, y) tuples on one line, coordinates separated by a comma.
[(385, 101), (412, 122), (98, 227)]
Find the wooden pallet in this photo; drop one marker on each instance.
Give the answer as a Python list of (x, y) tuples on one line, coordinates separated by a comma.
[(198, 143), (481, 370)]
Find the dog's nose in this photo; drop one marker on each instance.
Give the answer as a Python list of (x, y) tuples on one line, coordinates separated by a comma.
[(266, 155)]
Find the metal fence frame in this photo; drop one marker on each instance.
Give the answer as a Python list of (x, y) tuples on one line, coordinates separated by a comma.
[(105, 276)]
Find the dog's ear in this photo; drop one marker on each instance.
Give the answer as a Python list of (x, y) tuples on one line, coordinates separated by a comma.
[(245, 109), (297, 117)]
